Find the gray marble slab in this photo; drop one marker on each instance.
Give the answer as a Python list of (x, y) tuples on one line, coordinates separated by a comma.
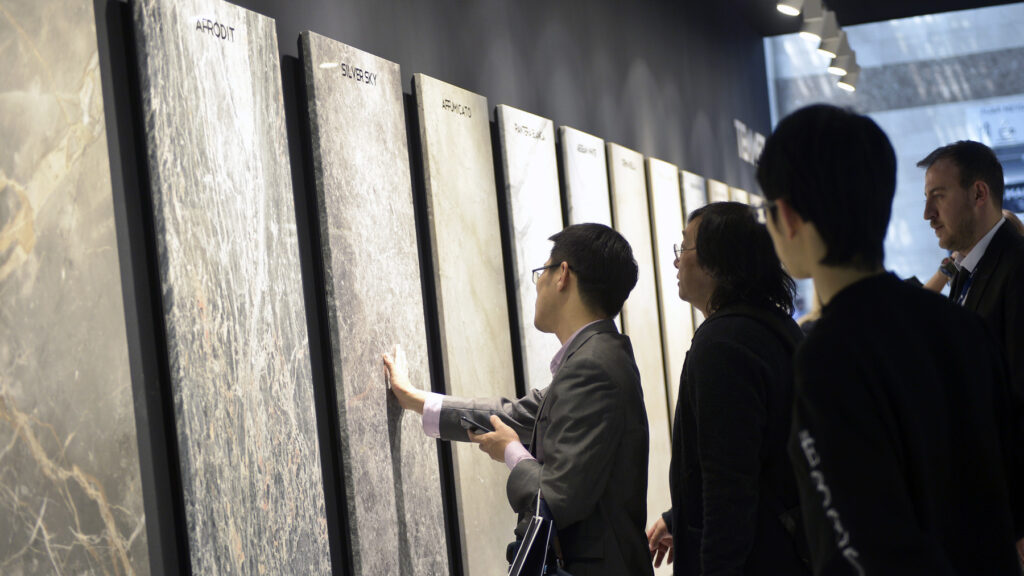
[(640, 320), (364, 198), (228, 256), (535, 214), (667, 229), (476, 345), (70, 487), (717, 191), (586, 177)]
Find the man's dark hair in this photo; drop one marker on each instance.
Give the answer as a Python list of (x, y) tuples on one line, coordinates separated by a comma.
[(975, 161), (602, 261), (837, 170), (736, 250)]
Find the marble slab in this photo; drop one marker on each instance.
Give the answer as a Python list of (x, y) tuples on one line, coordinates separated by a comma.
[(694, 196), (667, 229), (717, 191), (586, 177), (476, 345), (234, 317), (70, 484), (364, 199), (739, 195), (640, 319), (535, 214)]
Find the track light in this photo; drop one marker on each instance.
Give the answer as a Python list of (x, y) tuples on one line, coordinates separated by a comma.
[(813, 27), (843, 63), (835, 45), (849, 81), (790, 7)]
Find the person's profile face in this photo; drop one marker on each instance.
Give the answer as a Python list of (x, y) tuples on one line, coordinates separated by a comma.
[(694, 282), (947, 206)]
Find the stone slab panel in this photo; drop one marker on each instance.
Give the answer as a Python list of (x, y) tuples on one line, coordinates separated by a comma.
[(586, 177), (70, 484), (535, 214), (640, 318), (476, 344), (717, 191), (231, 288), (365, 205)]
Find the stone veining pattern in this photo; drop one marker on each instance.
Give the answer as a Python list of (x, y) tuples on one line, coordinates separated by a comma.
[(228, 257), (476, 346), (535, 212), (374, 301), (586, 177), (667, 229), (70, 486), (640, 314)]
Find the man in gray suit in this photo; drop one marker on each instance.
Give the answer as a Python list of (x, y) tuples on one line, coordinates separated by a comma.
[(582, 442)]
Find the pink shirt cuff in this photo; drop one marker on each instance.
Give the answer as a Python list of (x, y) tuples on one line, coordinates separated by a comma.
[(515, 453), (432, 414)]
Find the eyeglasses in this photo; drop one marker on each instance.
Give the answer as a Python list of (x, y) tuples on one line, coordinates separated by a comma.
[(537, 272), (679, 249)]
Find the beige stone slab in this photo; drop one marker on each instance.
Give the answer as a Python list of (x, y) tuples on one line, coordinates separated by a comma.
[(469, 278), (640, 318), (586, 177), (717, 191), (739, 195)]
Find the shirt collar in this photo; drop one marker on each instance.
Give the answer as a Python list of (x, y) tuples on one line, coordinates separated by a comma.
[(971, 259), (556, 362)]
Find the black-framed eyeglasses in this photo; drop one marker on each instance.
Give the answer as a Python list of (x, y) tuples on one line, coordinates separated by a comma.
[(761, 210), (678, 249), (537, 272)]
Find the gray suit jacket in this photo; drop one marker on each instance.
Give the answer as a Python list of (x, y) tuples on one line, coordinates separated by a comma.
[(588, 432)]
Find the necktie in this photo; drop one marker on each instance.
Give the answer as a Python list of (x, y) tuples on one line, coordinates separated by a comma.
[(961, 284)]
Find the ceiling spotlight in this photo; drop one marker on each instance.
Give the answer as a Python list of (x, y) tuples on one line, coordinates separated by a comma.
[(843, 63), (835, 45), (814, 27), (790, 7), (849, 81)]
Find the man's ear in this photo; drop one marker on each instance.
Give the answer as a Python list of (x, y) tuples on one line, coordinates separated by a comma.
[(980, 193), (788, 221), (563, 276)]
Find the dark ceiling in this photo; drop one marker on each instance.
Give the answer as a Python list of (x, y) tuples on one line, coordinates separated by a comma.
[(769, 22)]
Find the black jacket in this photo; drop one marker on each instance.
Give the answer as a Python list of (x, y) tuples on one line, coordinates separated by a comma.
[(588, 432), (997, 295), (905, 437), (731, 477)]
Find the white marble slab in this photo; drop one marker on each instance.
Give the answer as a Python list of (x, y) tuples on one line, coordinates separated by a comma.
[(70, 485), (717, 191), (640, 319), (694, 197), (535, 214), (469, 278), (234, 317), (739, 195), (667, 229), (586, 177), (364, 198)]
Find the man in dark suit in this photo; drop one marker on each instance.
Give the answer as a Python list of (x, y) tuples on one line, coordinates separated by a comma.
[(586, 434), (963, 203)]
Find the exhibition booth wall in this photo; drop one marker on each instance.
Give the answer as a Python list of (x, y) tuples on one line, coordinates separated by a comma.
[(217, 216)]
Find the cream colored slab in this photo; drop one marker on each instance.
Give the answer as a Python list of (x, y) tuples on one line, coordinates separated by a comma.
[(739, 195), (586, 177), (469, 278), (640, 314), (717, 191), (535, 214), (667, 229)]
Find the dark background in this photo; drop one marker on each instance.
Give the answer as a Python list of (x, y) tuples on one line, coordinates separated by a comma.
[(664, 78)]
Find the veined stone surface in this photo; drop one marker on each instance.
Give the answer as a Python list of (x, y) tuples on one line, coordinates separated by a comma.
[(476, 344), (667, 229), (535, 214), (586, 177), (228, 255), (70, 486), (717, 191), (374, 302), (640, 315), (739, 195)]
